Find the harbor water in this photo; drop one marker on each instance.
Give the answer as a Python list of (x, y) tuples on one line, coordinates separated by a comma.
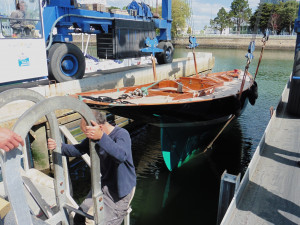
[(189, 194)]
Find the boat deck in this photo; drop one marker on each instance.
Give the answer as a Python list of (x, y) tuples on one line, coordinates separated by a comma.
[(270, 190), (169, 94)]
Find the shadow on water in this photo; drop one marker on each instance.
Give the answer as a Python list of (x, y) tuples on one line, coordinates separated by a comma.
[(189, 194)]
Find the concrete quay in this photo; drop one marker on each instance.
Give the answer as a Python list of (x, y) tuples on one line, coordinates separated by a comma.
[(269, 191), (116, 78), (276, 42), (235, 41)]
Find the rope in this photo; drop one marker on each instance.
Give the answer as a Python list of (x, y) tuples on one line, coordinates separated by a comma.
[(244, 78), (109, 99), (220, 132), (264, 40)]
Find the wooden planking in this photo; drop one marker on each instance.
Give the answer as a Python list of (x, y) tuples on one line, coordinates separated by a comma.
[(163, 95)]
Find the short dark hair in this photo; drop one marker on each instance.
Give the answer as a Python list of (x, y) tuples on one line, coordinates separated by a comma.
[(100, 116), (18, 4)]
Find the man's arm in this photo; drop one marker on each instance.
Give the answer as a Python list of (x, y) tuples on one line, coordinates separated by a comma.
[(118, 149), (71, 150), (16, 24)]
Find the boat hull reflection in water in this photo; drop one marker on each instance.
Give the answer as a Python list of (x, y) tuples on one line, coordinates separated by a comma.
[(192, 190), (180, 144)]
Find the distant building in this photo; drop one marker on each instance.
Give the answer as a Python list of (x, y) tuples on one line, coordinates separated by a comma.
[(210, 30), (244, 28)]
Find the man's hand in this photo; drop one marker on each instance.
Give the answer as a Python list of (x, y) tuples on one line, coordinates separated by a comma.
[(94, 132), (51, 144), (9, 140)]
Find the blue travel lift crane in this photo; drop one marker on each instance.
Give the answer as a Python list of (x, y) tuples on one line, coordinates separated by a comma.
[(118, 36)]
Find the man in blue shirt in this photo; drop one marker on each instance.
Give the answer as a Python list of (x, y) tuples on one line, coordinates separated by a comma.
[(118, 179)]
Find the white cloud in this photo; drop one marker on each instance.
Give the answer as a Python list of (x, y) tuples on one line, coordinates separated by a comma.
[(206, 8), (200, 21), (117, 3), (253, 4), (203, 12)]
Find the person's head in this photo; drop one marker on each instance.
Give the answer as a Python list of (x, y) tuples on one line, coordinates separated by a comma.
[(100, 120), (100, 117), (21, 6)]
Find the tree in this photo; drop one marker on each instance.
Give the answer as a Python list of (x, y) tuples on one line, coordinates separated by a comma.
[(276, 17), (180, 13), (265, 17), (288, 14), (221, 21), (113, 7), (261, 18), (275, 23), (240, 12)]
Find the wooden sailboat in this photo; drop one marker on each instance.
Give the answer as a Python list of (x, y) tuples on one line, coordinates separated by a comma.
[(194, 100), (182, 107)]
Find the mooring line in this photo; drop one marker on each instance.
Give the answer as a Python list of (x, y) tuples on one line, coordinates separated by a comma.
[(220, 132)]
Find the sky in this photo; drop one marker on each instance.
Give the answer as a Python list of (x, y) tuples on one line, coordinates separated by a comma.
[(203, 10)]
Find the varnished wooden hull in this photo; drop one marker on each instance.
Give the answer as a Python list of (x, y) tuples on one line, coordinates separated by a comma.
[(194, 112)]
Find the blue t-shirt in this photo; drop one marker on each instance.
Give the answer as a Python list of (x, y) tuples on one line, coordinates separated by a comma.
[(116, 164)]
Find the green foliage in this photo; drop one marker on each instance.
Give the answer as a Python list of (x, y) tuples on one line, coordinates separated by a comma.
[(288, 14), (276, 17), (222, 20), (180, 13), (239, 13), (261, 16), (113, 7)]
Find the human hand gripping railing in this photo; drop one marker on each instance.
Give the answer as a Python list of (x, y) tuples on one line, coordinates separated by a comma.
[(11, 161)]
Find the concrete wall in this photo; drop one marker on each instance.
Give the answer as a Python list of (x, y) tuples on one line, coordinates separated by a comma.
[(218, 41), (238, 42)]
